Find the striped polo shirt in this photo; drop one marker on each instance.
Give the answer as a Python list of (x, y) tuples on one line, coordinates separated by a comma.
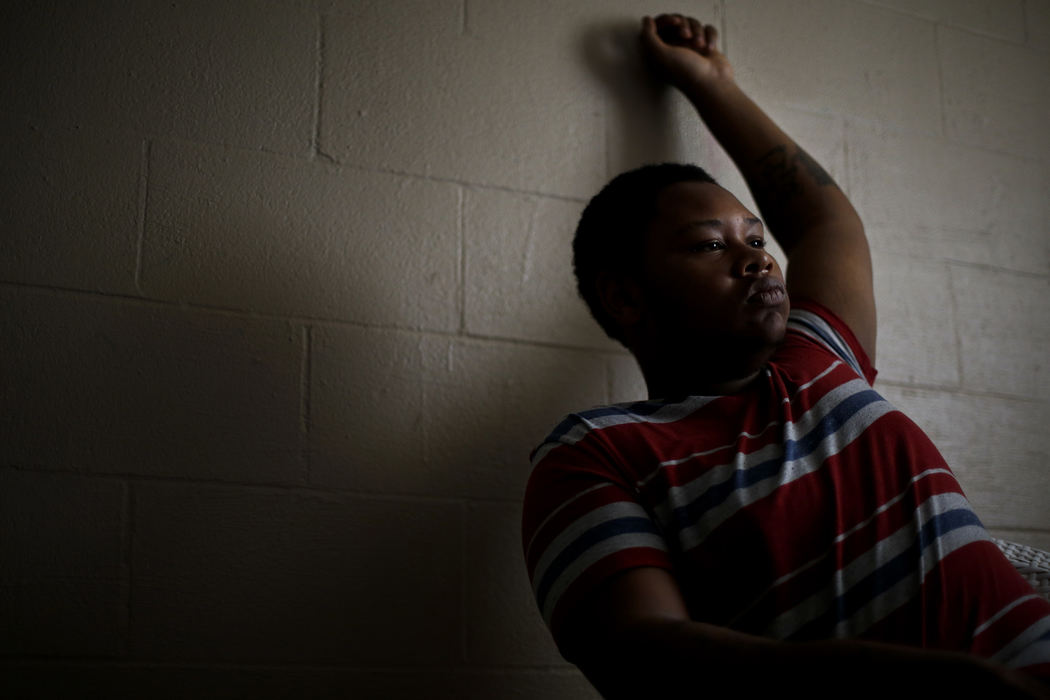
[(805, 507)]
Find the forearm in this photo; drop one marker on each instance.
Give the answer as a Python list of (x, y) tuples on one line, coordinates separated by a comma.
[(794, 193), (660, 658)]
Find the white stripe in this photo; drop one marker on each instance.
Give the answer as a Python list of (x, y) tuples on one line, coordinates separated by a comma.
[(690, 491), (744, 434), (1015, 648), (665, 414), (790, 621), (610, 511), (817, 378), (995, 618), (539, 528), (908, 587), (592, 555), (682, 460), (841, 538), (1035, 653), (789, 471), (838, 344)]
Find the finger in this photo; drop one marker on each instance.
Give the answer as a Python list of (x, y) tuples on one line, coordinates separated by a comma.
[(696, 29), (711, 37), (669, 29), (649, 36), (682, 25)]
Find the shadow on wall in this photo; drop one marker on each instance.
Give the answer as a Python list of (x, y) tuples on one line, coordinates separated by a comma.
[(246, 535), (640, 126)]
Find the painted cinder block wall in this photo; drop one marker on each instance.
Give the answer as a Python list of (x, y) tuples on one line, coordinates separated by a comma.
[(285, 300)]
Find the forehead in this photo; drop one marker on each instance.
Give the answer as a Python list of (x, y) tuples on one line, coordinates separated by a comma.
[(688, 202)]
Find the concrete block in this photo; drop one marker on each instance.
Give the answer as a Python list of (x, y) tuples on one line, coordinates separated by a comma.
[(856, 59), (995, 94), (1037, 23), (997, 447), (1004, 330), (117, 387), (507, 94), (71, 617), (503, 624), (277, 235), (917, 335), (490, 404), (519, 281), (1000, 18), (62, 584), (518, 261), (366, 407), (69, 206), (927, 198), (235, 574), (645, 120), (239, 72)]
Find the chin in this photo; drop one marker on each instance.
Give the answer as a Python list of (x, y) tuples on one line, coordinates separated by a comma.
[(771, 327)]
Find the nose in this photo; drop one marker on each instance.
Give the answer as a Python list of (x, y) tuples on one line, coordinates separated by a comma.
[(753, 262)]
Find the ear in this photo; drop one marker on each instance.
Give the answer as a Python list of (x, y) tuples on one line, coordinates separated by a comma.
[(621, 297)]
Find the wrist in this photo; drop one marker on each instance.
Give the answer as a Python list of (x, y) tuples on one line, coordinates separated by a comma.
[(709, 94)]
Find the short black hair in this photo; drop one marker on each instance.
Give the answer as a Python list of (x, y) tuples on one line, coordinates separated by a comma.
[(610, 234)]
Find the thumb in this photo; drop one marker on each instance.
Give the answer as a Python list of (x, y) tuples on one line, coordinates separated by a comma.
[(650, 38)]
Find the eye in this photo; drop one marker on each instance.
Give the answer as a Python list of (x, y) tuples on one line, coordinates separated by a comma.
[(706, 246), (757, 243)]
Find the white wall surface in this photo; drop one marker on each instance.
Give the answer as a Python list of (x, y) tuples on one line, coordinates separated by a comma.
[(286, 299)]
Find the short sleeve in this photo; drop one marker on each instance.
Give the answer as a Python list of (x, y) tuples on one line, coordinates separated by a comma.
[(821, 325), (582, 522)]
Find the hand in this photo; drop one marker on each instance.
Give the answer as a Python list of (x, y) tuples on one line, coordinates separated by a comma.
[(685, 50)]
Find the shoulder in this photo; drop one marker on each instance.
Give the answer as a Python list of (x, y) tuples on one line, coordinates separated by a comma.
[(604, 423), (814, 325)]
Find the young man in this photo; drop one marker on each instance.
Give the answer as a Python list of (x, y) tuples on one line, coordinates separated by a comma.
[(766, 521)]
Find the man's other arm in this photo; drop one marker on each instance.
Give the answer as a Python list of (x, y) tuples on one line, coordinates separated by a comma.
[(811, 218), (633, 638)]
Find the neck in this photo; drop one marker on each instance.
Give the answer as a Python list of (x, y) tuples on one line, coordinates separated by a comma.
[(696, 374)]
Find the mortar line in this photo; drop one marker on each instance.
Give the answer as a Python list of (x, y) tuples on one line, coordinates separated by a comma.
[(129, 540), (956, 332), (318, 85), (245, 315), (940, 80), (463, 651), (305, 398), (461, 283), (147, 148), (722, 21)]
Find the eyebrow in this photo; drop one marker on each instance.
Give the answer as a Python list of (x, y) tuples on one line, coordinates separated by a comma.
[(717, 223)]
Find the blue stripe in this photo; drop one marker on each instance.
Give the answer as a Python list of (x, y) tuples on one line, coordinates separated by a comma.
[(685, 515), (905, 564), (637, 411), (602, 531), (841, 349)]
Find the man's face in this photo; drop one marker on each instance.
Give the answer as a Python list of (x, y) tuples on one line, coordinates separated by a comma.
[(707, 277)]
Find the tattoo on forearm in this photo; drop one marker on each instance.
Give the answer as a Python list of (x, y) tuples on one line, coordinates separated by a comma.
[(813, 168), (779, 172)]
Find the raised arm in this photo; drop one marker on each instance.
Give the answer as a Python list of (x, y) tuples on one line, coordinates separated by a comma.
[(811, 218)]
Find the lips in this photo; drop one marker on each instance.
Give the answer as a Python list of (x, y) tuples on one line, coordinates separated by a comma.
[(767, 292)]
